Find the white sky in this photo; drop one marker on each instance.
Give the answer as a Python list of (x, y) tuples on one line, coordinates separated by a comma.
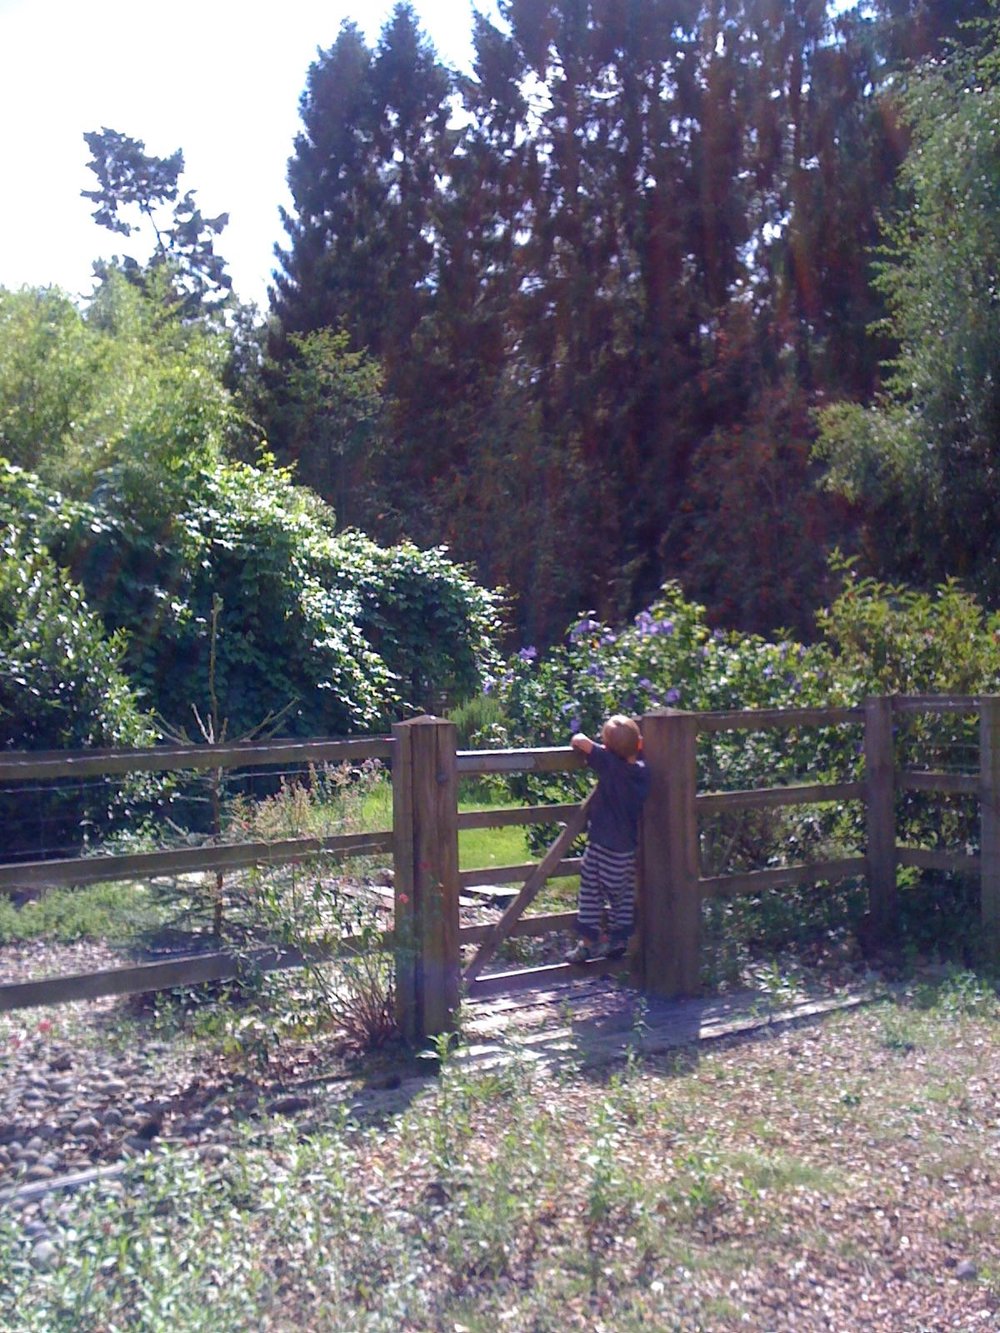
[(220, 79)]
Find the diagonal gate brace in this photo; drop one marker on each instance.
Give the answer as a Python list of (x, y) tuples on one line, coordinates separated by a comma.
[(575, 824)]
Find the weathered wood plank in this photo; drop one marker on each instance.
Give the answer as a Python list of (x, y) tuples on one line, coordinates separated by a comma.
[(191, 970), (511, 874), (541, 872), (952, 783), (25, 765), (549, 759), (669, 900), (435, 873), (527, 978), (756, 881), (404, 881), (989, 778), (760, 719), (187, 860), (926, 858), (517, 814), (880, 817), (815, 793), (937, 703)]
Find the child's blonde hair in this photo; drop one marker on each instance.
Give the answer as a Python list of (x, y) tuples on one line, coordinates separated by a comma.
[(622, 737)]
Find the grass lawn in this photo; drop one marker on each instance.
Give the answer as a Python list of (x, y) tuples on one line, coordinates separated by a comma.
[(116, 912), (831, 1177), (481, 848)]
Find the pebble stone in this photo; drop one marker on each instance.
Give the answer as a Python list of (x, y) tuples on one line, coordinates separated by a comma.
[(70, 1101), (44, 1254)]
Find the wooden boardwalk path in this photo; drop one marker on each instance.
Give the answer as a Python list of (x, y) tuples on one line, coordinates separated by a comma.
[(590, 1023)]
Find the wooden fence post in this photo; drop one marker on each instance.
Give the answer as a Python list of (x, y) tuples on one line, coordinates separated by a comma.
[(880, 815), (425, 851), (669, 907), (989, 837)]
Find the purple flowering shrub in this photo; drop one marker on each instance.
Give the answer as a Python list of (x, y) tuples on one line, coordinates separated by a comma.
[(873, 639)]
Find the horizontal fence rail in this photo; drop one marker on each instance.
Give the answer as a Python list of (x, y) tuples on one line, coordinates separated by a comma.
[(814, 793), (550, 759), (192, 970), (939, 703), (758, 881), (187, 860), (763, 719), (926, 858), (542, 924), (27, 765), (958, 784)]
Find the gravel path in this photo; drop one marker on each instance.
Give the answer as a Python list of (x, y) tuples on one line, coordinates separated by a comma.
[(88, 1085)]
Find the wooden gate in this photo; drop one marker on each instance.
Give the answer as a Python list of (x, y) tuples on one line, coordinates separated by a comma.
[(428, 882), (500, 931)]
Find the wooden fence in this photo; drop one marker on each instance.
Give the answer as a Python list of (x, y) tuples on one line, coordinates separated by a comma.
[(426, 766)]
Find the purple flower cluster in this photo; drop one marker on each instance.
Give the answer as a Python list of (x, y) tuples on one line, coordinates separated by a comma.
[(583, 627), (646, 623), (574, 721), (528, 654)]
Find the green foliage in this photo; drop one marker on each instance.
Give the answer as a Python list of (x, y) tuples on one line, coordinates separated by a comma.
[(348, 634), (875, 639), (327, 407), (126, 386), (899, 640), (49, 359), (921, 458), (287, 632), (668, 656), (61, 687), (435, 628), (131, 181), (61, 682)]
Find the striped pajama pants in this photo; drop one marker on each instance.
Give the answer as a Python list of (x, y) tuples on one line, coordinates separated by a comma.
[(607, 879)]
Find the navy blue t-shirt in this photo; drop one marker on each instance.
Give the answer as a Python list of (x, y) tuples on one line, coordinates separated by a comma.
[(621, 789)]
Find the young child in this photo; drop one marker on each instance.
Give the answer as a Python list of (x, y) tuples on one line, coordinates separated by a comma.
[(607, 876)]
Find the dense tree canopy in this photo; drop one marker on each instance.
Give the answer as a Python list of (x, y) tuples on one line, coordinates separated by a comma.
[(923, 457), (631, 238)]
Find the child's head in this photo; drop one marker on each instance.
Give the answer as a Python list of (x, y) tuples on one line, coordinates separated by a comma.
[(621, 736)]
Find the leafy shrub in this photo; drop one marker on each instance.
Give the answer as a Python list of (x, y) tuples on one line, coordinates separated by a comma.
[(874, 639), (284, 635), (430, 622), (342, 634), (61, 687), (128, 384)]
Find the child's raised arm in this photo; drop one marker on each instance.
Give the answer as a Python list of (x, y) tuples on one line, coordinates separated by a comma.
[(582, 743)]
